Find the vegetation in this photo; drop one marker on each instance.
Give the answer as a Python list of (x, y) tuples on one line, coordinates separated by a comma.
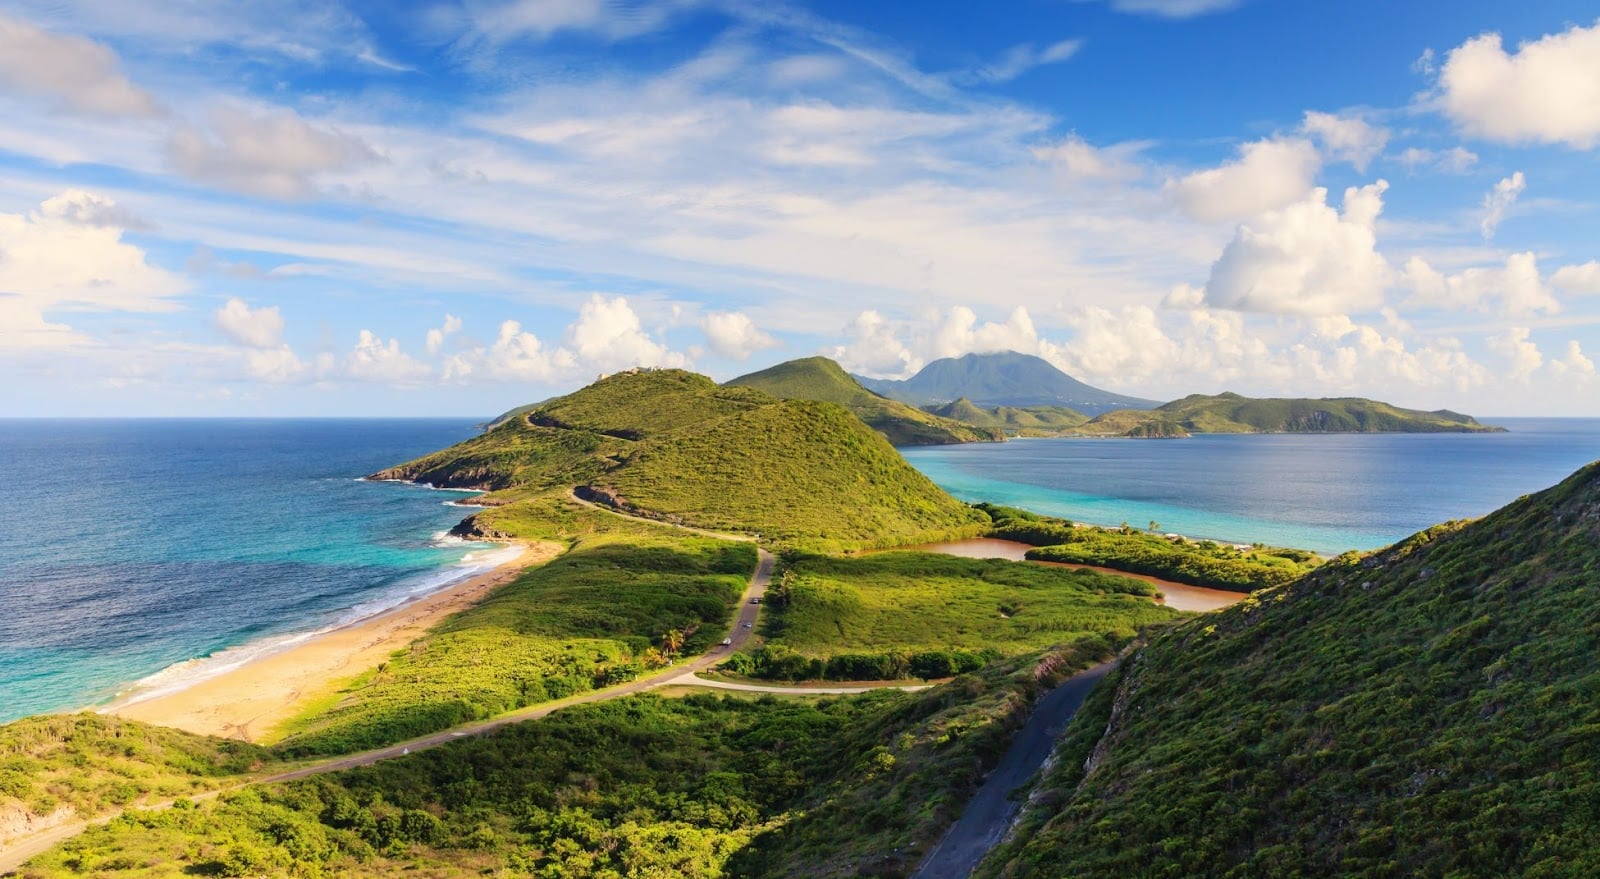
[(818, 378), (91, 764), (614, 607), (1197, 563), (914, 614), (1002, 379), (676, 446), (638, 787), (1429, 710), (1030, 421), (1231, 413)]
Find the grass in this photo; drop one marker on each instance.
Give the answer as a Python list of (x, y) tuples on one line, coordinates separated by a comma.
[(916, 614), (1197, 563), (1429, 710), (1231, 413), (818, 378), (599, 615), (92, 764), (700, 786), (1031, 421)]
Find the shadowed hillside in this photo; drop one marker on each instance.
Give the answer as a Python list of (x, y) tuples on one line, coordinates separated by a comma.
[(1002, 379)]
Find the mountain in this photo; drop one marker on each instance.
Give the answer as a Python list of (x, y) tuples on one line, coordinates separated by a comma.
[(1432, 709), (675, 445), (1232, 413), (1013, 420), (1004, 379), (818, 378)]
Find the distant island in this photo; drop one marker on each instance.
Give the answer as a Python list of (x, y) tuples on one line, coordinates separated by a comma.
[(1232, 413)]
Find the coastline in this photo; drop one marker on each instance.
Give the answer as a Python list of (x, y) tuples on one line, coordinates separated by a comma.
[(250, 700)]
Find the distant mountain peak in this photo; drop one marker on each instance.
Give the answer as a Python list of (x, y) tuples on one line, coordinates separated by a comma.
[(1004, 378)]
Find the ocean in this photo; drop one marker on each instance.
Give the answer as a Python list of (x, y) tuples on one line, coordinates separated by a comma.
[(1323, 492), (141, 555)]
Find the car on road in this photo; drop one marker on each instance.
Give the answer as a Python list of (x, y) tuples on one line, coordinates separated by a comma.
[(727, 642), (747, 625)]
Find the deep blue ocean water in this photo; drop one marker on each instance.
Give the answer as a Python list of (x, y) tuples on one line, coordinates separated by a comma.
[(127, 547), (1327, 492)]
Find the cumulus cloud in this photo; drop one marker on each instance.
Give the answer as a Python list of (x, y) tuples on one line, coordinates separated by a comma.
[(1578, 280), (1498, 201), (80, 74), (376, 360), (1268, 174), (874, 348), (1456, 160), (251, 327), (279, 365), (275, 154), (1574, 364), (1075, 159), (437, 335), (1346, 138), (1022, 58), (1520, 355), (1548, 91), (1515, 290), (1305, 259), (608, 336), (733, 334)]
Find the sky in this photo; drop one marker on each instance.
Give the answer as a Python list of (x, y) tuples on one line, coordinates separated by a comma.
[(246, 208)]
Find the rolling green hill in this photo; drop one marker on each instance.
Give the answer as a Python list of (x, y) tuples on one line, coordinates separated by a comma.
[(818, 378), (1432, 709), (1232, 413), (1013, 420), (1002, 379), (674, 445)]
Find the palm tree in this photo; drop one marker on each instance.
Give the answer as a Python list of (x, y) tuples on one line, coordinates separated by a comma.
[(672, 642)]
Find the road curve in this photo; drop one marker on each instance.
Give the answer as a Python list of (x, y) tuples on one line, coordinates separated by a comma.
[(990, 812)]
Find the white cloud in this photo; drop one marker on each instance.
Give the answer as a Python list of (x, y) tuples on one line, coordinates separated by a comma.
[(1077, 160), (1346, 138), (733, 334), (375, 360), (1498, 201), (89, 209), (1022, 58), (517, 355), (1305, 259), (608, 336), (1578, 280), (1268, 174), (960, 333), (1516, 290), (1574, 364), (1174, 8), (277, 365), (542, 19), (1548, 91), (252, 327), (874, 348), (1456, 160), (436, 336), (276, 153), (81, 74), (1520, 355)]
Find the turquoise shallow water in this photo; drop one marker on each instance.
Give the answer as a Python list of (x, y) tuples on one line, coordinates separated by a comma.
[(158, 551), (1327, 492)]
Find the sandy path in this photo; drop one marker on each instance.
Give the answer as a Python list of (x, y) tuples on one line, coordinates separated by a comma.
[(249, 701)]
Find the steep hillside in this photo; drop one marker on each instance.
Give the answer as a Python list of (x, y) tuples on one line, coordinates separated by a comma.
[(672, 444), (1430, 710), (1002, 379), (1232, 413), (818, 378), (1013, 420)]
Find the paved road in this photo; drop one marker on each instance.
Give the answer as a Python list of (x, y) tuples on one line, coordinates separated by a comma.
[(991, 811)]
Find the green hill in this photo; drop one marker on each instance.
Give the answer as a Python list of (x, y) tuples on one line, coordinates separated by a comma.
[(1432, 709), (1002, 379), (818, 378), (674, 445), (1013, 420), (1232, 413)]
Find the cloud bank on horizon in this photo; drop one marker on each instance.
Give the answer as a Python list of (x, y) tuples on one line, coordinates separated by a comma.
[(352, 208)]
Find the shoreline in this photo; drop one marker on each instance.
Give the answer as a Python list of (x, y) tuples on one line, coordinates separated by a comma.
[(250, 700)]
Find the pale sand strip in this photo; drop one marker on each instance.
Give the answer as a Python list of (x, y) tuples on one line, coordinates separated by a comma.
[(249, 701)]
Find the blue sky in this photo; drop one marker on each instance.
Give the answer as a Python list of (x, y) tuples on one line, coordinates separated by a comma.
[(301, 208)]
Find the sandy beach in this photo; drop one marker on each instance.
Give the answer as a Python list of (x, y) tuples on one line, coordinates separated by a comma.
[(249, 701)]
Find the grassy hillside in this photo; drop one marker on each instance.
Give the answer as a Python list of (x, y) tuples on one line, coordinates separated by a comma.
[(1430, 710), (1014, 420), (697, 787), (1003, 379), (1231, 413), (818, 378), (914, 614), (675, 445), (86, 764)]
